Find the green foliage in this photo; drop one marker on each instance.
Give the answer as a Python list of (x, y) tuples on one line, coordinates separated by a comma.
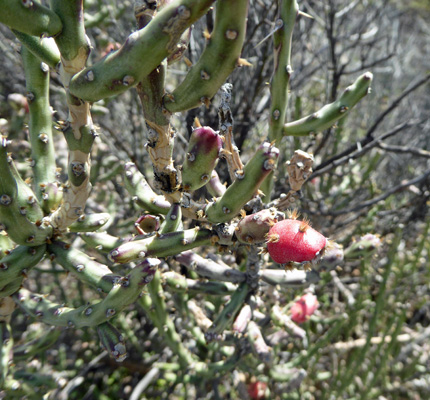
[(84, 311)]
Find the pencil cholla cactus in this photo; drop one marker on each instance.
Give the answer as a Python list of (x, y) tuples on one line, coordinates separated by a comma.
[(41, 221)]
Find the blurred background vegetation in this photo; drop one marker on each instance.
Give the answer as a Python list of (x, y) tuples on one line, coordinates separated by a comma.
[(369, 338)]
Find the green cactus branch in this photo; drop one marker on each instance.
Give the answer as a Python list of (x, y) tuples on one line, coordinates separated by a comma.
[(242, 190), (164, 245), (72, 40), (30, 17), (218, 60), (18, 263), (142, 193), (279, 85), (124, 68), (178, 283), (83, 267), (229, 312), (43, 48), (327, 116), (26, 199), (101, 241), (12, 216), (90, 222), (40, 128), (209, 269), (78, 130), (125, 292)]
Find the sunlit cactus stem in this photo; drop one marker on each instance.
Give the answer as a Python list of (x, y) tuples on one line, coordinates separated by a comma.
[(40, 127), (12, 216), (45, 49), (123, 293), (78, 130), (327, 116), (218, 60), (18, 263), (17, 14), (228, 314), (125, 68), (242, 190), (164, 245)]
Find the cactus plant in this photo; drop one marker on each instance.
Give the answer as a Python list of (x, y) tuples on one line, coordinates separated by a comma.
[(46, 222)]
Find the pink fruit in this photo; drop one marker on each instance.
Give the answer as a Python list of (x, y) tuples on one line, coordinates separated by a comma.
[(257, 390), (303, 308), (291, 240)]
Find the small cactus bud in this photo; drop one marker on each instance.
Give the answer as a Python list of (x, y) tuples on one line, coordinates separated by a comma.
[(303, 308), (203, 150), (112, 341), (257, 390)]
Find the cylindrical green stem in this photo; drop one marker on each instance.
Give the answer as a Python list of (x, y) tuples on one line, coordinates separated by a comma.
[(330, 113), (218, 60), (242, 190), (40, 127), (124, 68), (87, 270), (125, 292), (164, 245), (45, 49), (29, 17)]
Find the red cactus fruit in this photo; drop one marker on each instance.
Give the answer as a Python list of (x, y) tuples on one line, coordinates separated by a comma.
[(291, 240), (303, 308), (257, 390)]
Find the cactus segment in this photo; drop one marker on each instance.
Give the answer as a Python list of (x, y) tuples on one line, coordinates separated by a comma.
[(89, 222), (122, 69), (164, 245), (253, 228), (72, 40), (214, 186), (78, 129), (6, 245), (12, 217), (242, 190), (242, 319), (203, 149), (366, 245), (179, 283), (29, 17), (229, 312), (290, 278), (26, 198), (11, 288), (101, 241), (282, 320), (40, 128), (6, 349), (112, 341), (45, 49), (258, 344), (173, 221), (39, 341), (18, 262), (330, 113), (87, 270), (210, 269), (142, 193), (125, 292), (217, 61), (79, 186), (282, 67)]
